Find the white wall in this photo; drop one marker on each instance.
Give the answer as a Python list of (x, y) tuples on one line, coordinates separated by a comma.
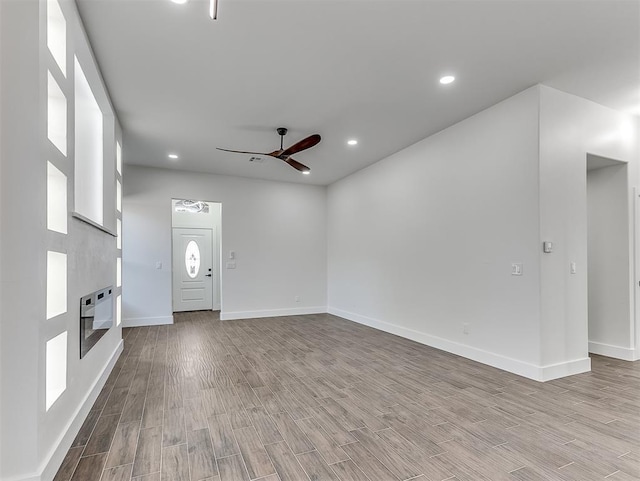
[(34, 440), (571, 128), (19, 155), (608, 257), (276, 229), (422, 242), (2, 281)]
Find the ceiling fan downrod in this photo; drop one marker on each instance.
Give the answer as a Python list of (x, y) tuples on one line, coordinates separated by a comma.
[(282, 131)]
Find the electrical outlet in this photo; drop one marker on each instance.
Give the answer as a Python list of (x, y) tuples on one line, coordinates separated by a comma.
[(465, 328), (297, 298), (516, 269)]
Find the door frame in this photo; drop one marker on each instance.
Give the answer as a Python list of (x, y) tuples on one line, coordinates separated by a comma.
[(631, 272), (216, 254), (635, 326)]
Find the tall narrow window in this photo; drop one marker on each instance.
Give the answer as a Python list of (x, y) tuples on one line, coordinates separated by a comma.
[(56, 368), (118, 272), (56, 199), (57, 34), (119, 234), (89, 169), (56, 115)]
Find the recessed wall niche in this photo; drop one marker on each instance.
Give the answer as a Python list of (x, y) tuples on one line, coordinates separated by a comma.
[(57, 34), (119, 158), (88, 165), (56, 115), (118, 196), (56, 199), (118, 310), (56, 284), (56, 368)]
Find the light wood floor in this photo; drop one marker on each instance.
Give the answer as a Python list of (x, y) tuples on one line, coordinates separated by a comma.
[(317, 397)]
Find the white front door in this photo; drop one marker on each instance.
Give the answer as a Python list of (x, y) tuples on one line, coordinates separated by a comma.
[(192, 270)]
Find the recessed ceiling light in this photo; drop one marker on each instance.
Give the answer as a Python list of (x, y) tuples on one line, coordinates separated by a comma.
[(306, 172), (352, 142), (173, 156), (447, 79), (180, 2)]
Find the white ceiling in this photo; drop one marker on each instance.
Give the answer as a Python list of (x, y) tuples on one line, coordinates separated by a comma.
[(363, 69)]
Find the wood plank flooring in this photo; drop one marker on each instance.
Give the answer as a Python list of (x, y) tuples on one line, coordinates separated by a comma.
[(310, 398)]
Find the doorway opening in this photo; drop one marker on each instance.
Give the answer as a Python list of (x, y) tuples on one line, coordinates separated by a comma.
[(610, 319), (196, 274)]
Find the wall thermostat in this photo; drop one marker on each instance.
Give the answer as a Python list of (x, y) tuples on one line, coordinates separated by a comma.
[(547, 247)]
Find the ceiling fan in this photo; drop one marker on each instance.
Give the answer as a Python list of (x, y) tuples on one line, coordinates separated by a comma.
[(285, 154)]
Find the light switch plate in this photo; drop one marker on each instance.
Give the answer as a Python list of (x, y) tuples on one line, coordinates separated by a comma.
[(516, 269), (231, 265), (547, 247)]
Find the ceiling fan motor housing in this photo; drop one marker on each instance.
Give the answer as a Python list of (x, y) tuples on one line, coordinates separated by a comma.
[(281, 131)]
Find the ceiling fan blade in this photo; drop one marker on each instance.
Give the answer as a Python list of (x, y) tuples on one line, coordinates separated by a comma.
[(241, 151), (297, 165), (303, 145)]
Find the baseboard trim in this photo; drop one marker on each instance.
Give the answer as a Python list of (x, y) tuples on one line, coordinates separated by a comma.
[(147, 321), (563, 369), (521, 368), (298, 311), (23, 477), (57, 454), (616, 352)]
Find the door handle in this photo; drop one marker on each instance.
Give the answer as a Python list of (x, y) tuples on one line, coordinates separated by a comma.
[(207, 275)]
